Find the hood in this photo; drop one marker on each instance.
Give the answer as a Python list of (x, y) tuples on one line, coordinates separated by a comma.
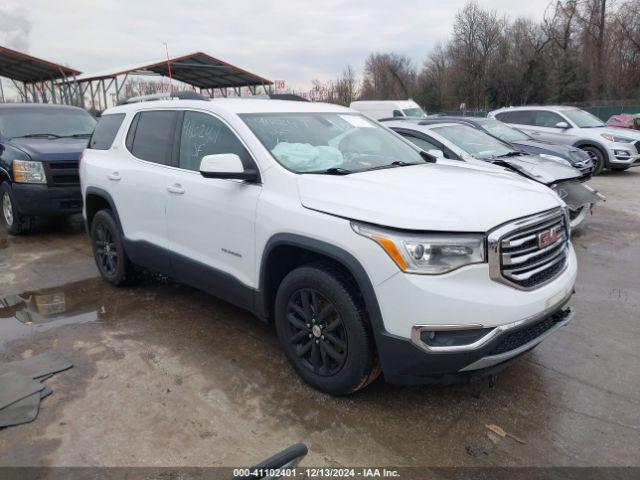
[(47, 150), (436, 197), (628, 132), (540, 169), (533, 145)]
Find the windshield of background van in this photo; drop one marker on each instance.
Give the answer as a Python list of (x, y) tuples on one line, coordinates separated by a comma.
[(414, 112), (48, 121), (315, 142)]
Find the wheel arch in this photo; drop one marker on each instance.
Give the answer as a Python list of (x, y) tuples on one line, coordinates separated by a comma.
[(284, 252), (595, 144), (97, 199)]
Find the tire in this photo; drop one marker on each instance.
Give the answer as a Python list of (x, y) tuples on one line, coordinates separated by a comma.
[(597, 156), (16, 222), (323, 329), (108, 250)]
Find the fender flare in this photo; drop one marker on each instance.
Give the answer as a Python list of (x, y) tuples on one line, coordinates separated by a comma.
[(109, 199), (336, 253)]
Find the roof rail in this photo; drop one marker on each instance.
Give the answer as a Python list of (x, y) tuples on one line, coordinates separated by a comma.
[(184, 95)]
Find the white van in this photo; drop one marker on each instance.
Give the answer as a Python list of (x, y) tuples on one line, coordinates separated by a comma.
[(378, 109)]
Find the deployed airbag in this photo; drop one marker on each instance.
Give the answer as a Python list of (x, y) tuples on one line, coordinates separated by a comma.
[(304, 157)]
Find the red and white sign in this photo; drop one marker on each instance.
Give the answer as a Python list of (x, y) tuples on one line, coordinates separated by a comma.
[(280, 84)]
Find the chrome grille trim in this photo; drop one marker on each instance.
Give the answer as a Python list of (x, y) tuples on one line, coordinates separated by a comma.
[(515, 257)]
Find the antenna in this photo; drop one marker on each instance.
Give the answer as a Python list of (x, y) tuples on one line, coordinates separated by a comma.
[(166, 49)]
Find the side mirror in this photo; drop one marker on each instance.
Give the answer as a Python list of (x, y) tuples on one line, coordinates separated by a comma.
[(436, 153), (227, 166), (562, 125)]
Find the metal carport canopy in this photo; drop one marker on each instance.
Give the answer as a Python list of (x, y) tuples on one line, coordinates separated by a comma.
[(21, 67), (196, 69)]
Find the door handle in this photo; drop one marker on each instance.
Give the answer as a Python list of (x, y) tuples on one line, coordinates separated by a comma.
[(115, 176), (176, 188)]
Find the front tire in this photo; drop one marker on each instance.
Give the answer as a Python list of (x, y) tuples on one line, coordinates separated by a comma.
[(17, 223), (598, 158), (108, 249), (322, 328)]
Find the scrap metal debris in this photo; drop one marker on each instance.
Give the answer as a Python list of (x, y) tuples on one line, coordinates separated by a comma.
[(20, 395)]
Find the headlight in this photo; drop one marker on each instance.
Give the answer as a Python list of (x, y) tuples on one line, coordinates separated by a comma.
[(27, 171), (428, 253), (616, 139), (555, 158)]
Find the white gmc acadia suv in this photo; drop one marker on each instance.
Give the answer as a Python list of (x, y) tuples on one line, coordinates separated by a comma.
[(367, 254)]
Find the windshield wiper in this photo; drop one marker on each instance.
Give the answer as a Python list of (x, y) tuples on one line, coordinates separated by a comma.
[(77, 135), (39, 135), (331, 171), (397, 163), (510, 154)]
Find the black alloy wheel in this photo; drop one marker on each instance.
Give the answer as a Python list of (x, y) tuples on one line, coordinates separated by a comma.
[(106, 251), (317, 332)]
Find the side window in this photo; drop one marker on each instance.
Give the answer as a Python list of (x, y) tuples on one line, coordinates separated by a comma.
[(520, 117), (429, 144), (546, 119), (421, 143), (151, 136), (204, 134), (397, 113), (105, 131)]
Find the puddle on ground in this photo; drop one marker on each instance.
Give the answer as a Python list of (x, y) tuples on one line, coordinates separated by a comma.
[(25, 314)]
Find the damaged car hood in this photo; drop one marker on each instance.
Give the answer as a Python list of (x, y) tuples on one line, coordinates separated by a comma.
[(438, 197), (538, 168)]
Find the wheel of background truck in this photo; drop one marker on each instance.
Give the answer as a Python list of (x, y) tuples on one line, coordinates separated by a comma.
[(17, 223), (323, 330), (108, 249), (597, 156)]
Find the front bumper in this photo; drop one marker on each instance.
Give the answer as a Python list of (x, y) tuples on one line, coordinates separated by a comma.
[(43, 200), (624, 155), (414, 362), (465, 299)]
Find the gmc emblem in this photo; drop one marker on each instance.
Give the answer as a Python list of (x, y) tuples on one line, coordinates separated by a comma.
[(547, 237)]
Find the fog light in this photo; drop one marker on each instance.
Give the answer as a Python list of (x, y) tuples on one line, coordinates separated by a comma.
[(451, 338), (622, 153)]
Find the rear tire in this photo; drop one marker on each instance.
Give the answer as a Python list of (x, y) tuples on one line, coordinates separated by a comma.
[(108, 249), (322, 328), (597, 156), (16, 222)]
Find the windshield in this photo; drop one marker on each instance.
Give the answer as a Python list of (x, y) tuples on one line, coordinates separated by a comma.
[(503, 131), (58, 122), (583, 119), (414, 112), (316, 142), (474, 142)]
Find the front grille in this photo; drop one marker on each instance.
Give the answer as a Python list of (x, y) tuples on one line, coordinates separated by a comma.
[(63, 173), (530, 252), (513, 340)]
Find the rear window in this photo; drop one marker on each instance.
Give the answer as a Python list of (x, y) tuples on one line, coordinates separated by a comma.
[(106, 131), (152, 134)]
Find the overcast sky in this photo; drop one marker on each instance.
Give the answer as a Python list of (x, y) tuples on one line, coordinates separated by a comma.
[(296, 41)]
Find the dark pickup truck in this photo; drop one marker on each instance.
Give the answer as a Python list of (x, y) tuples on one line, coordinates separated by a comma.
[(40, 146)]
